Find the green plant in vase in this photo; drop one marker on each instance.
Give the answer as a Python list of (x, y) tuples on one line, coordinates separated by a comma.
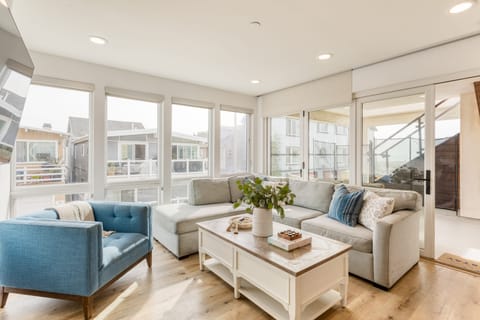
[(261, 197)]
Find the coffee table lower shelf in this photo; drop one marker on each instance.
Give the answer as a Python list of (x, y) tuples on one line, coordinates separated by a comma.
[(267, 303)]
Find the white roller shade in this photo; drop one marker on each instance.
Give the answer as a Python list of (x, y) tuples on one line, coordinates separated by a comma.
[(330, 91), (135, 95), (455, 60)]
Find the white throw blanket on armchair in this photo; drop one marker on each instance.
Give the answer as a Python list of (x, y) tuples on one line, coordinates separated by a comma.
[(77, 211)]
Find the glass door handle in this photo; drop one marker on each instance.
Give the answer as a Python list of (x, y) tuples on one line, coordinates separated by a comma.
[(426, 179)]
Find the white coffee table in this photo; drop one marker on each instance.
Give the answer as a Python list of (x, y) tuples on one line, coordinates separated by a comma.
[(300, 284)]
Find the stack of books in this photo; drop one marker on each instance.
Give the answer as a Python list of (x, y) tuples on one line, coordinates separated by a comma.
[(289, 240)]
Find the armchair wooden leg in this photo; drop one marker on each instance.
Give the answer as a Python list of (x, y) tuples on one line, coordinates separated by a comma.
[(149, 259), (4, 296), (87, 307)]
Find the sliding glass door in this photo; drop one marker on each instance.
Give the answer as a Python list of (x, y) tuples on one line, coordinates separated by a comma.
[(395, 132)]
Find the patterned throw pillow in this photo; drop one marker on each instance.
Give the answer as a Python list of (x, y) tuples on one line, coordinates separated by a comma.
[(345, 207), (374, 208)]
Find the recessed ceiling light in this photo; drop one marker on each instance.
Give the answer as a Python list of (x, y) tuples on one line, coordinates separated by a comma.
[(4, 2), (256, 24), (255, 81), (461, 7), (98, 40), (324, 56)]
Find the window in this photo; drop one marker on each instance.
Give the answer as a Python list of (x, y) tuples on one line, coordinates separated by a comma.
[(321, 127), (132, 139), (234, 139), (328, 149), (31, 203), (54, 121), (149, 195), (292, 127), (190, 147), (36, 151), (285, 155), (293, 155), (342, 130)]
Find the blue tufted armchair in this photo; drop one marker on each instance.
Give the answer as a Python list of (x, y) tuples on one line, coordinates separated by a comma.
[(41, 255)]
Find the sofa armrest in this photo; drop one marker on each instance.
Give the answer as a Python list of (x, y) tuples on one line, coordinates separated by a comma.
[(395, 246), (125, 217), (54, 256)]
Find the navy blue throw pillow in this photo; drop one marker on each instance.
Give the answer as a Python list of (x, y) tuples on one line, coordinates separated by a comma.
[(346, 206)]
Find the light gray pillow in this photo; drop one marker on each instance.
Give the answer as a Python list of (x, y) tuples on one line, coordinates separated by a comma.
[(235, 193), (207, 191), (315, 195)]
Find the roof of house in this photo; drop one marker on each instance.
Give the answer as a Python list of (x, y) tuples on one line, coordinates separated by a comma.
[(78, 127)]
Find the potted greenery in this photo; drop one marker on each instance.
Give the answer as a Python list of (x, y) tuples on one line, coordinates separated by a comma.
[(261, 197)]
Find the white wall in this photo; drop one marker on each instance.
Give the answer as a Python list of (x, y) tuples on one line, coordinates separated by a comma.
[(443, 63), (469, 156), (101, 77)]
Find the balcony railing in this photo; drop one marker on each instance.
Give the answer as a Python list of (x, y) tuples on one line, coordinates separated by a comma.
[(132, 168), (146, 168), (28, 173)]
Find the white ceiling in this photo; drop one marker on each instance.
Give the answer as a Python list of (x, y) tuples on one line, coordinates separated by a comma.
[(211, 42)]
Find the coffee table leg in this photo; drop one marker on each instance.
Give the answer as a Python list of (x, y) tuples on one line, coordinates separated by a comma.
[(236, 286), (201, 255), (344, 284), (295, 307)]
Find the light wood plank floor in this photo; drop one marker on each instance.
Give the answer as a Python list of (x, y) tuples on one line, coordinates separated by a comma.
[(176, 289)]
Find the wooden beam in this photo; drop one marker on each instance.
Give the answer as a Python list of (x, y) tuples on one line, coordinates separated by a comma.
[(477, 94)]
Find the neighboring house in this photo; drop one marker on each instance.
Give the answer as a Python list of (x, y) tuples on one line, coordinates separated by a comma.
[(132, 150), (328, 149), (41, 156)]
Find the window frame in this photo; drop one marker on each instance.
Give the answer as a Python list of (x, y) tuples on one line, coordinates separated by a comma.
[(137, 181), (18, 192)]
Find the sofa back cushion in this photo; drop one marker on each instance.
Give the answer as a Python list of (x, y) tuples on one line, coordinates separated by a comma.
[(235, 193), (404, 199), (312, 194), (207, 190)]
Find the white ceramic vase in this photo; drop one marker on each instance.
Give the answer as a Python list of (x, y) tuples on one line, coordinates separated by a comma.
[(262, 222)]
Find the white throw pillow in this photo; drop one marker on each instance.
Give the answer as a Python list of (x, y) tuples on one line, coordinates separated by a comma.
[(374, 208)]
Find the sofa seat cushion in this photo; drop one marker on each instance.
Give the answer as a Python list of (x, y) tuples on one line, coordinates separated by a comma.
[(183, 218), (294, 216), (359, 237), (121, 250), (118, 244)]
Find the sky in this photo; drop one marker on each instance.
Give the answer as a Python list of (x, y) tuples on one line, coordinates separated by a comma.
[(63, 103)]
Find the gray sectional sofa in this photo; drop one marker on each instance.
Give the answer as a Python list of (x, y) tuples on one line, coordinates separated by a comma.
[(381, 256)]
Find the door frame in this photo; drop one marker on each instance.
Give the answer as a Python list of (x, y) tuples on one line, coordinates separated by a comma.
[(428, 249)]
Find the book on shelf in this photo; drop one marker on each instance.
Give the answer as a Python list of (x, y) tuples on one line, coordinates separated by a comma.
[(289, 245)]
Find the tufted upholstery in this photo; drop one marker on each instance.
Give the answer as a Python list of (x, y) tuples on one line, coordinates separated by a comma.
[(39, 252), (123, 216)]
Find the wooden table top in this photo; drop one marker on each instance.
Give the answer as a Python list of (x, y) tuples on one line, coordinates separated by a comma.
[(295, 262)]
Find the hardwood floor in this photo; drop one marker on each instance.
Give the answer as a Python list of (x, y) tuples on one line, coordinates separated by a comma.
[(176, 289)]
